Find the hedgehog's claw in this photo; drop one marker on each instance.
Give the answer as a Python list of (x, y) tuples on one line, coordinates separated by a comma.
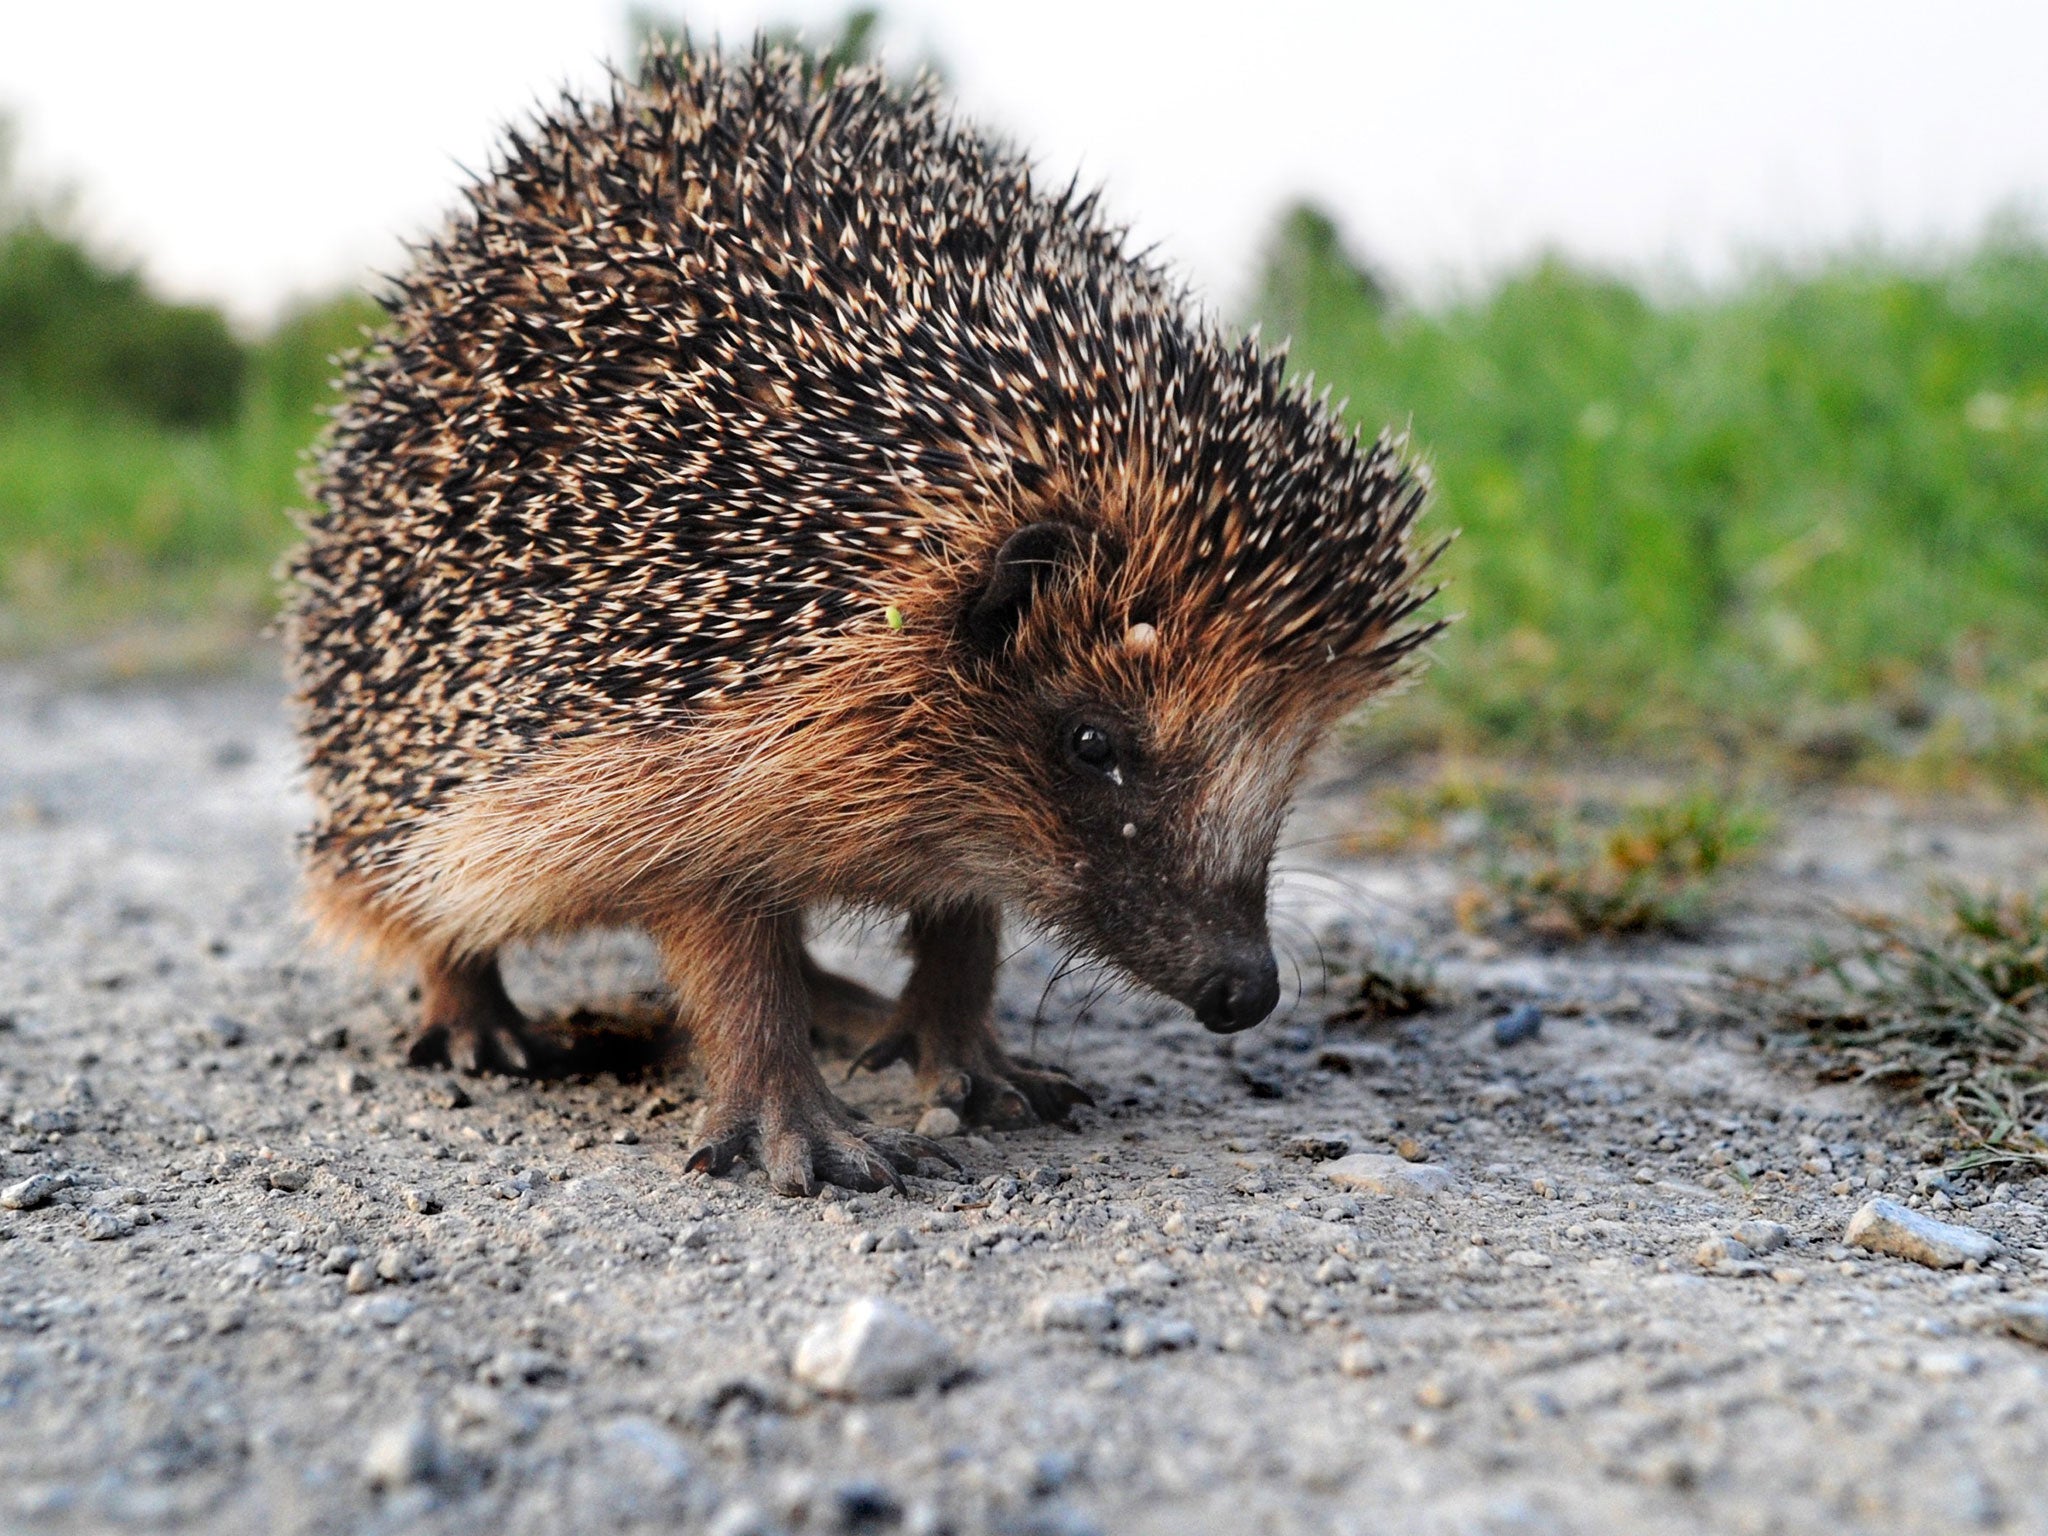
[(802, 1147), (475, 1047)]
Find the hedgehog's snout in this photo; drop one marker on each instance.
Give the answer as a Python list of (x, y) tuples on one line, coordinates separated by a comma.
[(1238, 993)]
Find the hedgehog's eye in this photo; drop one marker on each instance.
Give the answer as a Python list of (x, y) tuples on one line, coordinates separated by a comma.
[(1090, 746)]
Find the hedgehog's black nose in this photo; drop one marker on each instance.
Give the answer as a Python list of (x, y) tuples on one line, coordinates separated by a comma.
[(1240, 994)]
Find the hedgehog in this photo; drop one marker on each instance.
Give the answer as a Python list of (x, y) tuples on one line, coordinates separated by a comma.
[(764, 498)]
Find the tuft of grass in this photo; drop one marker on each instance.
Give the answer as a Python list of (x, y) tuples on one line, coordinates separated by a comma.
[(1387, 988), (1651, 868), (1954, 1008)]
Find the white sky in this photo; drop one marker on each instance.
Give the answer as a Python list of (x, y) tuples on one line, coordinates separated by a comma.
[(250, 151)]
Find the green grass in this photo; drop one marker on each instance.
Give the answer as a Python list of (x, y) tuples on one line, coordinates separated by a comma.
[(1563, 860), (111, 520), (1954, 1008), (1811, 510)]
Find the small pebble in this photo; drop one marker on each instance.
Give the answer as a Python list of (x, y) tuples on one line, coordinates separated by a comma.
[(388, 1311), (290, 1180), (1317, 1147), (403, 1455), (1436, 1392), (1335, 1271), (1153, 1336), (351, 1079), (101, 1225), (421, 1203), (362, 1278), (2025, 1320), (338, 1259), (1720, 1250), (1522, 1022), (1760, 1236), (895, 1240), (938, 1122), (395, 1266), (1359, 1358), (225, 1032), (1152, 1275), (1073, 1312)]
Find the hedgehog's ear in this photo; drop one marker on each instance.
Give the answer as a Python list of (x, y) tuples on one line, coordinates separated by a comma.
[(1027, 559)]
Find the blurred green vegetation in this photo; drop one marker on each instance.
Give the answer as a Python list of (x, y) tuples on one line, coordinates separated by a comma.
[(1807, 511), (148, 454)]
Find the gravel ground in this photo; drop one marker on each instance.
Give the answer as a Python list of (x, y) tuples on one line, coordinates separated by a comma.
[(275, 1281)]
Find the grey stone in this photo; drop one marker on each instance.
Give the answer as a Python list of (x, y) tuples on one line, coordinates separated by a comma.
[(1153, 1275), (388, 1311), (1360, 1358), (1151, 1336), (1760, 1236), (226, 1032), (1522, 1022), (1720, 1250), (938, 1122), (403, 1455), (1381, 1173), (100, 1226), (872, 1348), (522, 1367), (1316, 1146), (31, 1193), (1884, 1226), (1073, 1312)]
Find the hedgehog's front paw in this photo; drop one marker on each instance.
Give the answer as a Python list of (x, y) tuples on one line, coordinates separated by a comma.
[(803, 1141), (980, 1081)]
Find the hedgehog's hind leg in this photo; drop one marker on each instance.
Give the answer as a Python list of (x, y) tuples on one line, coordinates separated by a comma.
[(943, 1028), (467, 1021)]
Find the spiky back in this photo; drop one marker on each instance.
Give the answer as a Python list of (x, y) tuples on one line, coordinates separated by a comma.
[(711, 375)]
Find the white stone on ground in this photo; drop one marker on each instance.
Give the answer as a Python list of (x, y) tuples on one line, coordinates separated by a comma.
[(938, 1122), (872, 1348), (401, 1455), (1382, 1173), (1885, 1226)]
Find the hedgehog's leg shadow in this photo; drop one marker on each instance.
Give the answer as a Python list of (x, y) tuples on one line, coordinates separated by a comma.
[(741, 977), (468, 1022), (944, 1027)]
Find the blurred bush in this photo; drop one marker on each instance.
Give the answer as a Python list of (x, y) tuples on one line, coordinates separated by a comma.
[(78, 332)]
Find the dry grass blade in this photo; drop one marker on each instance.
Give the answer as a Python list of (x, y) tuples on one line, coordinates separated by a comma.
[(1956, 1008)]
